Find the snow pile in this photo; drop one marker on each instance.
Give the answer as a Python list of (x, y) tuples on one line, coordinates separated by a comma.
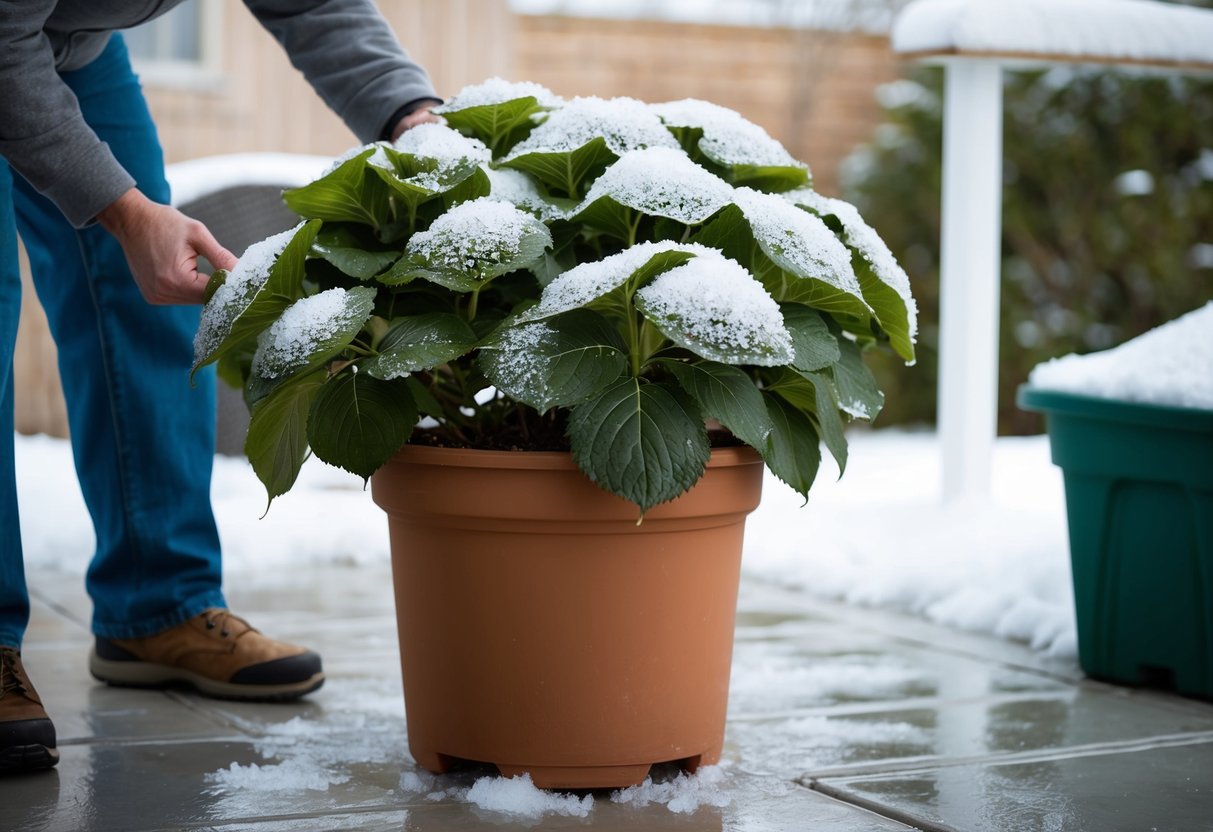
[(1170, 365), (474, 237), (238, 291), (864, 239), (1103, 30), (625, 123), (295, 774), (663, 182), (717, 309), (728, 138), (798, 238), (294, 338), (498, 91), (682, 795), (516, 797)]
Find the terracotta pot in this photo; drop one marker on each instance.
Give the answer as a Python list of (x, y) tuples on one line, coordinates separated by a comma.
[(544, 631)]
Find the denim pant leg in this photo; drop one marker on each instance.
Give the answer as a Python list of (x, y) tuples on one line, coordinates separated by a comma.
[(14, 598), (142, 436)]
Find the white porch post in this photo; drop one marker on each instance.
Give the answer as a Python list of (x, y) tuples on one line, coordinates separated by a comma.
[(969, 278)]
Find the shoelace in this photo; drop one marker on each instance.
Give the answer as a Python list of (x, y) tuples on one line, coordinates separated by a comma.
[(218, 618), (9, 680)]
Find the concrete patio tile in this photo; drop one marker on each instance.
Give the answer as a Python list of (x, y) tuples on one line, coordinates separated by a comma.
[(1150, 786)]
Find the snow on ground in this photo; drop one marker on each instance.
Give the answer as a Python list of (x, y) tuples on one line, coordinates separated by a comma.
[(879, 537)]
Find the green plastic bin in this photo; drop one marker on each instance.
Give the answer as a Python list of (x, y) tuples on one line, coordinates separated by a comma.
[(1139, 499)]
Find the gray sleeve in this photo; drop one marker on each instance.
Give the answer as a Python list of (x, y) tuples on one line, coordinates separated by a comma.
[(349, 55), (43, 136)]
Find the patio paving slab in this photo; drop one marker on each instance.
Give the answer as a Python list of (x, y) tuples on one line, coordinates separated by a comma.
[(841, 719)]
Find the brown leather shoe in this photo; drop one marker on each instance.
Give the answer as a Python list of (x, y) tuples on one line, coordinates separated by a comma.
[(217, 654), (27, 736)]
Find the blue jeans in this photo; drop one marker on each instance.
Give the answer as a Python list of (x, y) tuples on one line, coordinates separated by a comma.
[(142, 436)]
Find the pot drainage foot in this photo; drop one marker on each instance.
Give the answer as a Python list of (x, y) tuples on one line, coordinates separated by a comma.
[(580, 777)]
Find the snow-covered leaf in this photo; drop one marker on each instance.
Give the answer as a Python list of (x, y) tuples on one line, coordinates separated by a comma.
[(420, 342), (496, 112), (715, 308), (312, 330), (348, 193)]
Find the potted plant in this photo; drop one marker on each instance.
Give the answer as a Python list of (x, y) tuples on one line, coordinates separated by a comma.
[(563, 337)]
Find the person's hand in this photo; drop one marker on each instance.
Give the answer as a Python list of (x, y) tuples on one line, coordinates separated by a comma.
[(421, 115), (162, 247)]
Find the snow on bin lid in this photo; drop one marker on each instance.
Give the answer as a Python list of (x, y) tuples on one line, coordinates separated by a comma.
[(1093, 31), (1170, 365), (194, 179)]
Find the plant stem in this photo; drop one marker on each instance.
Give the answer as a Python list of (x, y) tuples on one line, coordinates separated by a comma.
[(473, 303)]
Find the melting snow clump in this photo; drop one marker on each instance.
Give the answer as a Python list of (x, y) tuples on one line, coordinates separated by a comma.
[(683, 795), (1170, 365), (716, 308), (664, 182), (296, 774), (625, 123), (498, 91), (728, 138)]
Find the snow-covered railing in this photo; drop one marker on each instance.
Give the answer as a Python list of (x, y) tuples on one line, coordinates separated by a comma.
[(974, 40)]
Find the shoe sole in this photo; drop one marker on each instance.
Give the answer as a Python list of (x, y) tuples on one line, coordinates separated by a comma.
[(135, 674), (35, 757)]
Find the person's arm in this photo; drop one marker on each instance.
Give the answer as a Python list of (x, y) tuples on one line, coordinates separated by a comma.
[(42, 133), (350, 56)]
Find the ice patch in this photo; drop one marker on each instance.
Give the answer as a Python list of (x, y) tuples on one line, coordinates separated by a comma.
[(1170, 365), (625, 123), (498, 91), (663, 182), (728, 138)]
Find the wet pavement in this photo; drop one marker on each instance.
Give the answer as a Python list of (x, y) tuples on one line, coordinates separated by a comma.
[(841, 719)]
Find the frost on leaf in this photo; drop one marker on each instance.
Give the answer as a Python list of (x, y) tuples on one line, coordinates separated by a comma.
[(238, 292), (498, 91), (524, 361), (797, 241), (864, 239), (479, 239), (728, 138), (662, 182), (517, 187), (585, 283), (718, 310), (308, 328), (625, 124)]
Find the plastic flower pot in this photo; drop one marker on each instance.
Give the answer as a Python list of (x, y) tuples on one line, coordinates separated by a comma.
[(1139, 500), (546, 632)]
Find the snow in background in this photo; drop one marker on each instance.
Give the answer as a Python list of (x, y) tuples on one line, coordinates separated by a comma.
[(865, 15), (1109, 30), (196, 178), (1170, 365), (879, 537)]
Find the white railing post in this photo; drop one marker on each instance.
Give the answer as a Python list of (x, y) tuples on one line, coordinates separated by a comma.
[(969, 274)]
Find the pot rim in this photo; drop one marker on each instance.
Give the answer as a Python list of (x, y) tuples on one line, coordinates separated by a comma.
[(1114, 410), (539, 460)]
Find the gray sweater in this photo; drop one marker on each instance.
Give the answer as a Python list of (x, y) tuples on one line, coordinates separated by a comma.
[(344, 48)]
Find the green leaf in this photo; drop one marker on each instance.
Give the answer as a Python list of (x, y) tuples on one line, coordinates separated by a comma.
[(312, 330), (358, 423), (420, 342), (812, 340), (858, 393), (642, 441), (792, 452), (248, 303), (559, 362), (235, 365), (349, 193), (826, 418), (426, 402), (568, 173), (351, 254), (276, 444), (726, 394), (889, 305), (611, 218), (770, 178), (217, 278), (500, 126), (476, 185)]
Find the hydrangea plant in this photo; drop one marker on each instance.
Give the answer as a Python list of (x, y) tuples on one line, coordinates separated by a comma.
[(625, 281)]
